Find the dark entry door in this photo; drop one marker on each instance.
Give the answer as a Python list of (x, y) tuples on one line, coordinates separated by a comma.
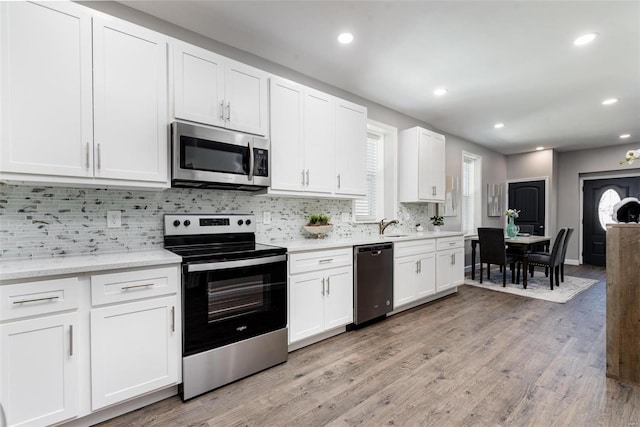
[(528, 198), (598, 197)]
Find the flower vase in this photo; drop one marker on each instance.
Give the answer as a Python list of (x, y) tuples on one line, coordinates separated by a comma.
[(436, 228), (512, 229)]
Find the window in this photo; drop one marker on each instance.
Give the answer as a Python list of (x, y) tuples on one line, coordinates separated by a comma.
[(605, 207), (381, 175), (471, 192)]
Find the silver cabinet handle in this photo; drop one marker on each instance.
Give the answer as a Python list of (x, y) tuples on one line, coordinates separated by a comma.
[(338, 180), (24, 301), (303, 177), (453, 259), (322, 286), (452, 243), (70, 340), (229, 111), (417, 268), (433, 190), (420, 266), (326, 260), (307, 176), (99, 158), (173, 319), (126, 288), (87, 156), (328, 285), (222, 109)]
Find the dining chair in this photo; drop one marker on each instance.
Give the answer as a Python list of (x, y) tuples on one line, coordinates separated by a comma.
[(493, 251), (550, 261), (565, 244)]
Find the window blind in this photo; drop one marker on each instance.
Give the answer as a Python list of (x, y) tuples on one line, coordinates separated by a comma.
[(365, 209)]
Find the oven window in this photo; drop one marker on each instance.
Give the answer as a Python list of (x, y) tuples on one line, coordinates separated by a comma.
[(211, 156), (234, 297)]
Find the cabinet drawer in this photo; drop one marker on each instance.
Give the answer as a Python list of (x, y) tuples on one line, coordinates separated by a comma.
[(35, 298), (319, 260), (133, 284), (413, 247), (445, 243)]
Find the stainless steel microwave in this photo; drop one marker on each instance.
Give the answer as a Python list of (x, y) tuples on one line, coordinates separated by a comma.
[(207, 157)]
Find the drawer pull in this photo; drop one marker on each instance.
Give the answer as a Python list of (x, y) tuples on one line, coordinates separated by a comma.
[(126, 288), (452, 243), (70, 340), (24, 301), (324, 261)]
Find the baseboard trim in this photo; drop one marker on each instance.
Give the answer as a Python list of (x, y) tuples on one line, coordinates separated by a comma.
[(571, 262)]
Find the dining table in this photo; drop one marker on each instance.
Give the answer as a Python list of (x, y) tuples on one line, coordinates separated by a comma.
[(522, 243)]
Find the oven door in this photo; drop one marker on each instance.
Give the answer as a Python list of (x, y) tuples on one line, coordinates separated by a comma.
[(226, 302)]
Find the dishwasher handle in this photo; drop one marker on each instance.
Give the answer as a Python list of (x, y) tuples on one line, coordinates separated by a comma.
[(374, 249)]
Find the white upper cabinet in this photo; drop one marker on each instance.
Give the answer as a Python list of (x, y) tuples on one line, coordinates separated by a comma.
[(63, 122), (351, 136), (318, 143), (130, 101), (45, 89), (214, 90), (421, 173)]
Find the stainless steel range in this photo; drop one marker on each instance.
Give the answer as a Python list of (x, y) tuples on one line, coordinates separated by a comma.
[(234, 299)]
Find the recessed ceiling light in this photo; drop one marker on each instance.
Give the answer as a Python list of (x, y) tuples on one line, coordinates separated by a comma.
[(440, 91), (609, 101), (585, 39), (345, 38), (539, 148), (498, 125), (625, 136)]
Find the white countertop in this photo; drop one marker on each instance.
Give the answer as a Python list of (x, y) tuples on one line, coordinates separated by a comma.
[(315, 244), (13, 269)]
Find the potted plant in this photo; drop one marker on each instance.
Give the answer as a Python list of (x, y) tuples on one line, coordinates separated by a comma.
[(437, 221), (318, 225)]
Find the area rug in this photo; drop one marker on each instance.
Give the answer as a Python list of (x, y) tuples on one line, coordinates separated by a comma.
[(537, 286)]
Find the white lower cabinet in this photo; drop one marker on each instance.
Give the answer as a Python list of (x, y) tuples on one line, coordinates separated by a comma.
[(450, 264), (134, 349), (320, 292), (39, 370), (414, 271)]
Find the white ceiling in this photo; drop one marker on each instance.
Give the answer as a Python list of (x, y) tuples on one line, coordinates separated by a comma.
[(502, 61)]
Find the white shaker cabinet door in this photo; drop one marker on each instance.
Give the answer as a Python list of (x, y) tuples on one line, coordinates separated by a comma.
[(39, 370), (318, 141), (45, 89), (426, 277), (351, 148), (198, 85), (306, 305), (338, 309), (130, 102), (246, 99), (404, 277), (134, 349)]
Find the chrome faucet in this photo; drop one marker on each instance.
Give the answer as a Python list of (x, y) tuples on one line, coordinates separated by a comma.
[(384, 226)]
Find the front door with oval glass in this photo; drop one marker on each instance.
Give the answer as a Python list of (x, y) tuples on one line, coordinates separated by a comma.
[(600, 195)]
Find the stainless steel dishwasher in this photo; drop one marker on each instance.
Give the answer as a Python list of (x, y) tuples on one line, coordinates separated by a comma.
[(372, 281)]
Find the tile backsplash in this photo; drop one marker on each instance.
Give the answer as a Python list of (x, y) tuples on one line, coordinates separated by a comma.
[(50, 221)]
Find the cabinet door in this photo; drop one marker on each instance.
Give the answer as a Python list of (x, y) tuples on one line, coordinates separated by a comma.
[(436, 168), (39, 370), (405, 271), (426, 188), (350, 143), (449, 269), (134, 349), (306, 305), (46, 92), (198, 84), (130, 102), (318, 141), (426, 277), (287, 145), (245, 98), (338, 298), (457, 267)]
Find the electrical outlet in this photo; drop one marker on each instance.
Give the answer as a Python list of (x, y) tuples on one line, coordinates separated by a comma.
[(266, 217), (346, 217), (114, 219)]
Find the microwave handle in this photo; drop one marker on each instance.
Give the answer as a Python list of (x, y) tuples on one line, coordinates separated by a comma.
[(252, 160)]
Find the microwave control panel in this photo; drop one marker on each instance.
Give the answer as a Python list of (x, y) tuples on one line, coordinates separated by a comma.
[(261, 165)]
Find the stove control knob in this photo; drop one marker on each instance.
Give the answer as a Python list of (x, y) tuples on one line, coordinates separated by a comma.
[(248, 222), (176, 223), (187, 223), (240, 222)]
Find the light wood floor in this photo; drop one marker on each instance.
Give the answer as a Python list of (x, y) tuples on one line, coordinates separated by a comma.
[(480, 358)]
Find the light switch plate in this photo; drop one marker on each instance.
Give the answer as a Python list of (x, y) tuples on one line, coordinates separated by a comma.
[(114, 219), (346, 217), (266, 217)]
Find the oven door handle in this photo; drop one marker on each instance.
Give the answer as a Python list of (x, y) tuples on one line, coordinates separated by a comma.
[(211, 266)]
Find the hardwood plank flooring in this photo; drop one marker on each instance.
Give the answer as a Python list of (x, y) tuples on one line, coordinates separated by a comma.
[(477, 358)]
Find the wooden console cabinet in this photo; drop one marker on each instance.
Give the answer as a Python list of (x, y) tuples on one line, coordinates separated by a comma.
[(623, 302)]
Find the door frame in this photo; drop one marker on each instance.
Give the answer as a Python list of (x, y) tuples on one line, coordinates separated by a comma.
[(546, 197), (594, 177)]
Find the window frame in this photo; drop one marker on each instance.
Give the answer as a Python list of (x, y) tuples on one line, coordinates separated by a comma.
[(476, 195)]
